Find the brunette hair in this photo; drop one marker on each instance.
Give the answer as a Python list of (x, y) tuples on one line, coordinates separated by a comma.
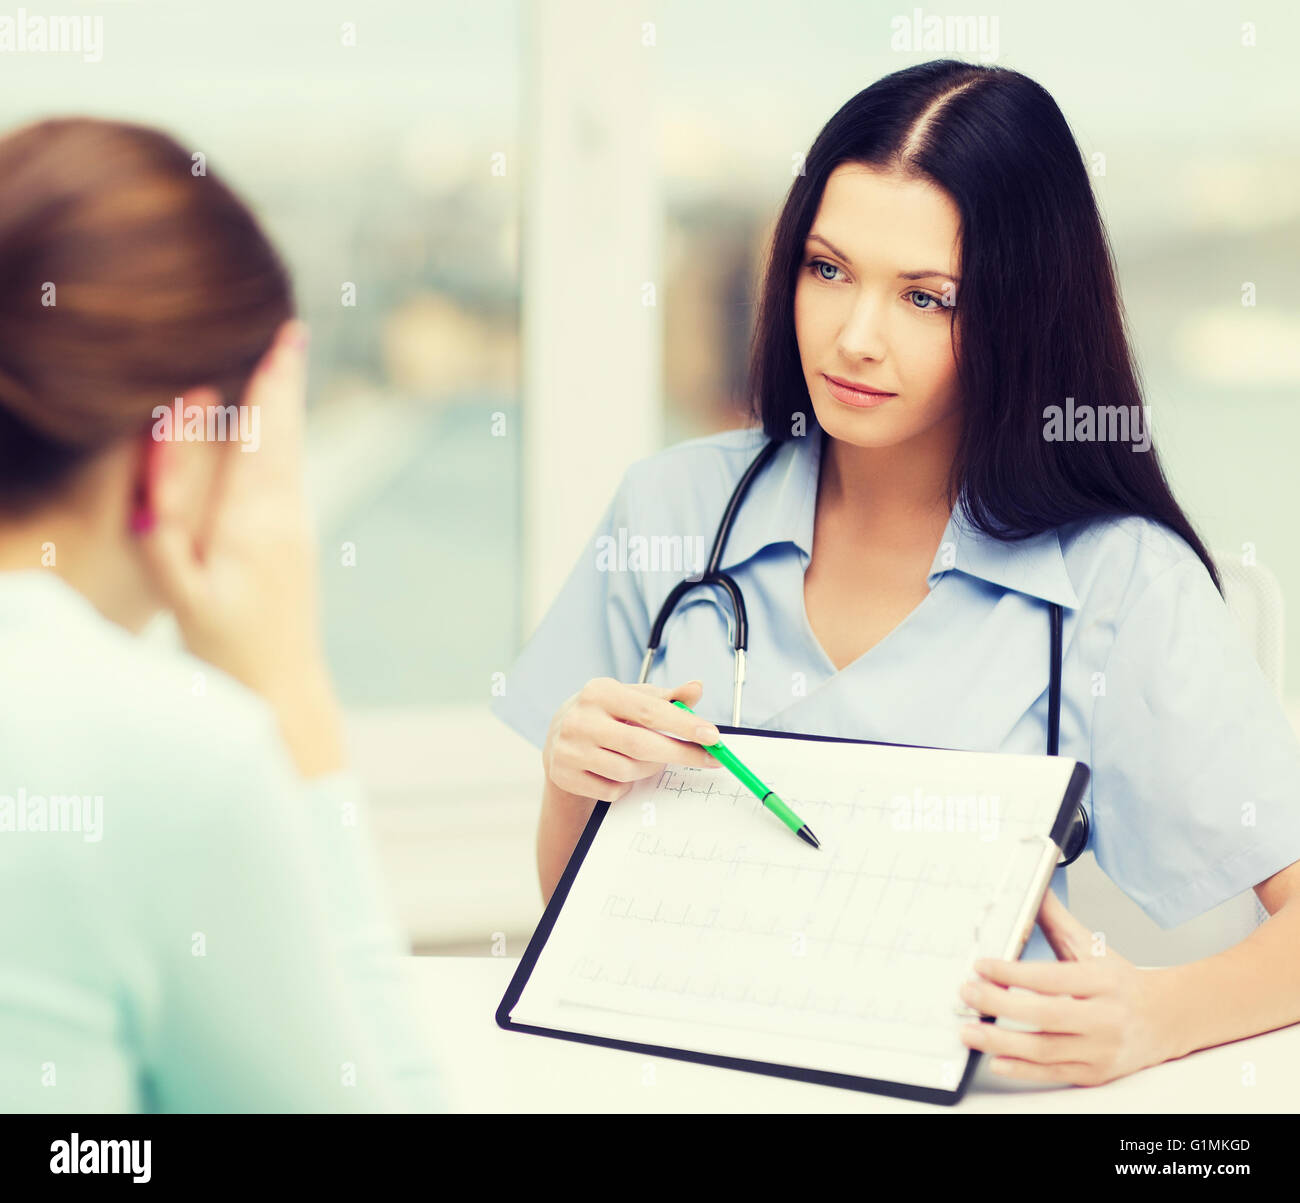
[(127, 275), (1040, 313)]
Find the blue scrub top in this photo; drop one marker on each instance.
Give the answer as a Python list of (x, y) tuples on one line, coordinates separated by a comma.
[(1194, 793)]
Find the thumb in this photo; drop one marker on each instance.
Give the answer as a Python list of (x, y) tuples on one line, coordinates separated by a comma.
[(1070, 939), (689, 693)]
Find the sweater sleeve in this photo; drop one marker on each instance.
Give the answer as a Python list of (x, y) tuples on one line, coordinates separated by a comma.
[(371, 943), (281, 982)]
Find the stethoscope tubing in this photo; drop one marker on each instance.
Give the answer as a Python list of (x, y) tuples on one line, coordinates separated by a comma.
[(714, 577)]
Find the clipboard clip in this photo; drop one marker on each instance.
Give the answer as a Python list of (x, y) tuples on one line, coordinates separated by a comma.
[(1041, 844)]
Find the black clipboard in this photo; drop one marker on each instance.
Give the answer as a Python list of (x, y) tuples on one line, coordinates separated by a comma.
[(901, 1090)]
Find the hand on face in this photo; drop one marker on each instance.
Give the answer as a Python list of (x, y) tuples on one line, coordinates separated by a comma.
[(241, 577)]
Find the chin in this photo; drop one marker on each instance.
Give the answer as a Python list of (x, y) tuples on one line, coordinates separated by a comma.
[(866, 428)]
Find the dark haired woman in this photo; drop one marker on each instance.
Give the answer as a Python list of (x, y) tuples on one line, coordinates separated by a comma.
[(192, 916), (939, 296)]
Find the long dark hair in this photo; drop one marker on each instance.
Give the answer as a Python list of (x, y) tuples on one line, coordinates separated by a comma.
[(1041, 319)]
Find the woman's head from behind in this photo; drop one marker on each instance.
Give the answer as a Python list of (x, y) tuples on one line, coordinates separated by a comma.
[(969, 273), (129, 278)]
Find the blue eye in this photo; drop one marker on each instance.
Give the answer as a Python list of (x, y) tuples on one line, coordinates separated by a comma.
[(815, 266), (929, 296)]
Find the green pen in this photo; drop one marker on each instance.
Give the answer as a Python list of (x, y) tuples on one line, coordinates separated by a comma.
[(729, 760)]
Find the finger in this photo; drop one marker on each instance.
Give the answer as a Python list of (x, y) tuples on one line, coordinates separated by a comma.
[(684, 691), (1041, 1047), (642, 744), (591, 785), (277, 393), (649, 706), (1070, 940), (616, 767), (1040, 1012), (1075, 979), (171, 563), (689, 692), (1074, 1073)]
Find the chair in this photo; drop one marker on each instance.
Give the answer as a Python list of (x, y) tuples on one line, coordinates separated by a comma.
[(1254, 598)]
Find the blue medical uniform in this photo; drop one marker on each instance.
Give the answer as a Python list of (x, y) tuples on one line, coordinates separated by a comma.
[(1194, 794)]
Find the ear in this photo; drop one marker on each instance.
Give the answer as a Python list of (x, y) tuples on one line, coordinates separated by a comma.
[(150, 467), (163, 480)]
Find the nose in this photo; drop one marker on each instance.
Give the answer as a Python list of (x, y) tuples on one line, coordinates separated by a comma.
[(863, 334)]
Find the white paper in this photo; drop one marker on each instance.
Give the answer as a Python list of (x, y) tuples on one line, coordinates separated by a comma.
[(698, 920)]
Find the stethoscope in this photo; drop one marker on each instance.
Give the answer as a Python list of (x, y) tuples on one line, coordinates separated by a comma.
[(1077, 837)]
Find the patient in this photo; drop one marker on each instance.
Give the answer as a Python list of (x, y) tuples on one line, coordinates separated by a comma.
[(192, 916)]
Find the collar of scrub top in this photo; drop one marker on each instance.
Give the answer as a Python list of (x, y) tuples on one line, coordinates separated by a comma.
[(782, 505)]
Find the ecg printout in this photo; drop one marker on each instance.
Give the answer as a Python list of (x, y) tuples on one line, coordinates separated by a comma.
[(698, 920)]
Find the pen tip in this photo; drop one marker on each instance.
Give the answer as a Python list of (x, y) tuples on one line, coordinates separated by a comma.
[(805, 834)]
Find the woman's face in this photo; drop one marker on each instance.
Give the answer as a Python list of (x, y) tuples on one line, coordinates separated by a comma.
[(875, 305)]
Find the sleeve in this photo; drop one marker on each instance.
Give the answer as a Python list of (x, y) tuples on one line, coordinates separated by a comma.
[(1195, 766), (283, 980), (372, 947), (598, 626)]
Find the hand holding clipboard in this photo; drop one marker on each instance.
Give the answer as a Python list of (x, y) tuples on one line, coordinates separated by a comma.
[(688, 925)]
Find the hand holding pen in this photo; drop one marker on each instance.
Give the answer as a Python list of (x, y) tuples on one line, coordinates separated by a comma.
[(730, 761)]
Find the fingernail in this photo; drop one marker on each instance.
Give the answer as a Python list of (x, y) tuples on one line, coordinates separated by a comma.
[(707, 735)]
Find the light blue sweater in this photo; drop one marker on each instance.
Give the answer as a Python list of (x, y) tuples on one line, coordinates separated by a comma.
[(185, 925)]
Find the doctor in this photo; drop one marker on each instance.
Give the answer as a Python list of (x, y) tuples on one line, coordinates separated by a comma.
[(938, 281)]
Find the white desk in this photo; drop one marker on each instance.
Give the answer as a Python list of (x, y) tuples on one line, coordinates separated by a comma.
[(488, 1069)]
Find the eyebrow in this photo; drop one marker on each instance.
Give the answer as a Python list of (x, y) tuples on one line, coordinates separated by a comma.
[(917, 275)]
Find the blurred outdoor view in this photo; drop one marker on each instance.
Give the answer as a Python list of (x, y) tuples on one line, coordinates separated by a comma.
[(395, 164)]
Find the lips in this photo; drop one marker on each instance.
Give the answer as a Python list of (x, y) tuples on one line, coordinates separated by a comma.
[(855, 395), (859, 388)]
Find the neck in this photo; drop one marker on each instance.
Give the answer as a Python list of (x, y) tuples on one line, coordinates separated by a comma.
[(78, 549), (891, 489)]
